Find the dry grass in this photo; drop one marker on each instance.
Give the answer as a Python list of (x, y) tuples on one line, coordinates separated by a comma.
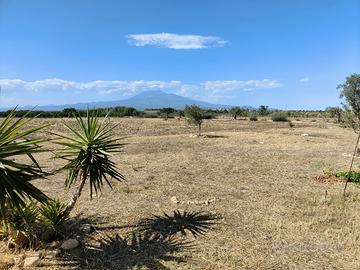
[(261, 175)]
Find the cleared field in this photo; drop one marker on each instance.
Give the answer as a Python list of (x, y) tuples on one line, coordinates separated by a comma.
[(258, 176)]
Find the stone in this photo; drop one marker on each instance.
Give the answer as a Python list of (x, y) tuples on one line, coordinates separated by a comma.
[(54, 245), (70, 244), (51, 254), (32, 260), (86, 228), (173, 199), (304, 134)]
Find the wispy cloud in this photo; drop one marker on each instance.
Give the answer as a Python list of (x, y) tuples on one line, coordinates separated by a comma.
[(102, 87), (304, 80), (220, 86), (176, 41), (59, 91)]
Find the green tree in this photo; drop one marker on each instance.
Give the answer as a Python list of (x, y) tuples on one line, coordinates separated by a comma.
[(17, 140), (195, 116), (167, 112), (263, 110), (335, 112), (88, 151), (235, 112), (69, 112), (350, 92)]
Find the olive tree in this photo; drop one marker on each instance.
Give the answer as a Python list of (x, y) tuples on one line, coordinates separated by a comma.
[(350, 93), (335, 112), (235, 112), (263, 110), (167, 112), (195, 116)]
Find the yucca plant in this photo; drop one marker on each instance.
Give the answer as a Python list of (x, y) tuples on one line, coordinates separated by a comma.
[(16, 140), (53, 215), (88, 150)]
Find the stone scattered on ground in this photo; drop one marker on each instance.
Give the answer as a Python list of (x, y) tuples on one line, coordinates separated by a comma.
[(87, 228), (54, 245), (51, 254), (70, 244), (207, 202), (32, 260), (304, 135), (173, 199)]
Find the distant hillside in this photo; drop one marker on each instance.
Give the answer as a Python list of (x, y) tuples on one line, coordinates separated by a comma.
[(144, 100)]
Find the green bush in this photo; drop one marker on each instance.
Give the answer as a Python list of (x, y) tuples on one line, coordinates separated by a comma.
[(353, 176), (279, 117), (253, 118), (24, 219), (53, 215)]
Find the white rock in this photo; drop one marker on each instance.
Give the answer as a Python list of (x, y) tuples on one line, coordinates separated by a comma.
[(32, 260), (174, 199), (304, 134), (51, 254), (70, 244)]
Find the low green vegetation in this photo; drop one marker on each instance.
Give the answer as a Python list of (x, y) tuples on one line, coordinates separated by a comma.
[(353, 176), (279, 117), (27, 214)]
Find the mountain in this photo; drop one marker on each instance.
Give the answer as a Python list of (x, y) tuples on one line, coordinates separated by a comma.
[(144, 100)]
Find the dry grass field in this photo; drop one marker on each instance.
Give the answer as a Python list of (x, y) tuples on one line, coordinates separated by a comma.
[(257, 176)]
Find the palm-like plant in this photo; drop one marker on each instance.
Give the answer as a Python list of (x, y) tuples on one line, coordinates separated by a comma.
[(88, 150), (16, 139)]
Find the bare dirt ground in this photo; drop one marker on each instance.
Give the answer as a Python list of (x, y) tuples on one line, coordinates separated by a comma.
[(258, 176)]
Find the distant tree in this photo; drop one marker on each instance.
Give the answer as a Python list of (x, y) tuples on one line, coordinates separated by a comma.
[(235, 112), (181, 113), (263, 110), (167, 112), (350, 92), (69, 112), (194, 115), (335, 112)]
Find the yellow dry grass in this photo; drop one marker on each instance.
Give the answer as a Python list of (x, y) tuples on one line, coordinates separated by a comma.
[(261, 178)]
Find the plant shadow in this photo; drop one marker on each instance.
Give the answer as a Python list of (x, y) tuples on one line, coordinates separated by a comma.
[(196, 223), (151, 245)]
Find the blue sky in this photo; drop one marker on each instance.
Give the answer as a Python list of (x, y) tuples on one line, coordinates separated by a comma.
[(285, 54)]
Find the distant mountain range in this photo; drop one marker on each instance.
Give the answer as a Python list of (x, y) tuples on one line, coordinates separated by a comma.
[(144, 100)]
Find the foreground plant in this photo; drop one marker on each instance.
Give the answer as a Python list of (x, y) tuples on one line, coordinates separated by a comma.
[(53, 215), (88, 150), (17, 140)]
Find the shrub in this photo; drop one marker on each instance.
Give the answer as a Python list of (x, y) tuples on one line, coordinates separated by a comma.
[(279, 117), (352, 176), (253, 118), (23, 219), (53, 215)]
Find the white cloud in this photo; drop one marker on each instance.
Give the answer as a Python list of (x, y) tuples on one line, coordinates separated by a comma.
[(59, 91), (102, 87), (175, 41), (233, 85), (304, 80)]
